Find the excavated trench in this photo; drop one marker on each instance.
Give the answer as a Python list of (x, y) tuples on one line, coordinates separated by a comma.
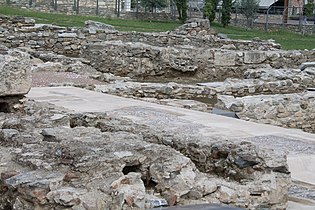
[(238, 162)]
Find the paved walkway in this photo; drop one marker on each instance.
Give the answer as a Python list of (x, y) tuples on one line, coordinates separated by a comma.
[(301, 162)]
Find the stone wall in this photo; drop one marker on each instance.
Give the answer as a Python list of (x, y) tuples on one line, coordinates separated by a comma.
[(288, 110), (143, 61), (266, 81), (17, 32), (196, 54), (157, 90), (180, 38), (23, 32), (86, 7)]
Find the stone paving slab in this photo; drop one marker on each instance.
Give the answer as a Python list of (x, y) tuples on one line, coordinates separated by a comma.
[(302, 167), (298, 206)]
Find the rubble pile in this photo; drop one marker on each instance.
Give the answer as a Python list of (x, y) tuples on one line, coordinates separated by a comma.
[(52, 158)]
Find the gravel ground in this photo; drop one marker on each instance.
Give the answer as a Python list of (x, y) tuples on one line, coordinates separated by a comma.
[(284, 144), (44, 79), (302, 192)]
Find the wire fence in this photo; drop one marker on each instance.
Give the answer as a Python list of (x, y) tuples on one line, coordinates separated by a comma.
[(284, 17), (291, 18)]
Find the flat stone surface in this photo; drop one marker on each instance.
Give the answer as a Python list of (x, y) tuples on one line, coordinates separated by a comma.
[(297, 206), (302, 167)]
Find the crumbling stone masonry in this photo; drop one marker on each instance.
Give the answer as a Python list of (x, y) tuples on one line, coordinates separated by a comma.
[(15, 77), (287, 110), (104, 161), (197, 54)]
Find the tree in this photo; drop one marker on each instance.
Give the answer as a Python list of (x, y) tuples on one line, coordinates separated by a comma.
[(209, 9), (182, 10), (154, 4), (309, 8), (249, 8), (226, 12)]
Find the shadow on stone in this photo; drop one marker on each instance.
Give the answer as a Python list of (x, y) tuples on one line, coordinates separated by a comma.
[(202, 207)]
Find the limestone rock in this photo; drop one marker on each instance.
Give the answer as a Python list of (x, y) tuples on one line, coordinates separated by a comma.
[(254, 57), (15, 73), (132, 188), (306, 65), (94, 26), (274, 109), (224, 58), (67, 35)]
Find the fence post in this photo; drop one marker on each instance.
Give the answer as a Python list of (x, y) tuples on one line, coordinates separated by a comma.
[(286, 11), (137, 8), (285, 16), (236, 11), (55, 5), (267, 16), (78, 6), (97, 9), (118, 8), (300, 19), (173, 10)]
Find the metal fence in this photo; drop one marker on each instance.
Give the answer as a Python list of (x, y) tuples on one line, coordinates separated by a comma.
[(290, 18)]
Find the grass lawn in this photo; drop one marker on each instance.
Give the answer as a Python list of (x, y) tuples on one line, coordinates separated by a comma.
[(287, 39), (78, 20)]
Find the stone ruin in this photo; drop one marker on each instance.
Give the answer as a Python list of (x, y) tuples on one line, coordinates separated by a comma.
[(54, 159), (15, 77)]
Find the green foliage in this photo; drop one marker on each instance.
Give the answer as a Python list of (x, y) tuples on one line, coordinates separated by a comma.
[(208, 12), (182, 10), (309, 9), (209, 9), (226, 12), (249, 8), (154, 4), (133, 3)]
